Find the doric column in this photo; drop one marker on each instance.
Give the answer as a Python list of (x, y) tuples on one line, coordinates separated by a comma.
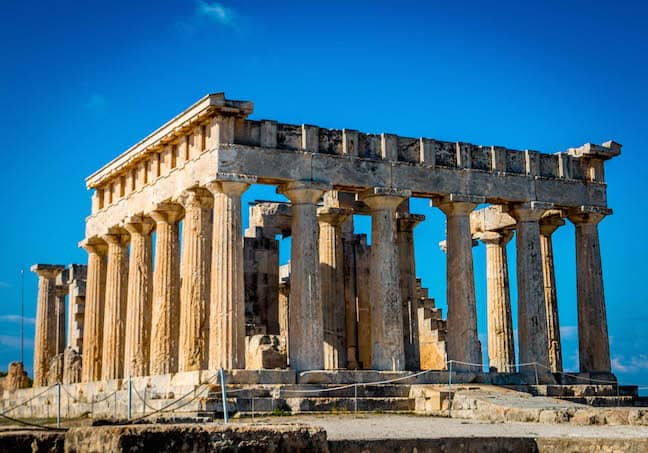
[(387, 346), (547, 228), (462, 340), (45, 343), (501, 348), (165, 317), (406, 223), (227, 309), (140, 288), (114, 327), (593, 343), (61, 293), (305, 331), (194, 271), (349, 272), (332, 285), (93, 318), (532, 312)]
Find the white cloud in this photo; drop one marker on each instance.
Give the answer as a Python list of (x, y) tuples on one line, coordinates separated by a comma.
[(216, 12), (16, 318), (4, 285), (631, 365), (14, 342), (568, 332)]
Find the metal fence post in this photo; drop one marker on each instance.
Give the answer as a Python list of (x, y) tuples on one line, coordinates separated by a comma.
[(535, 370), (58, 404), (224, 394), (450, 389)]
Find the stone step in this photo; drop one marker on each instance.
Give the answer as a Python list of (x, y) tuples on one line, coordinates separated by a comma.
[(349, 404), (602, 401), (316, 390)]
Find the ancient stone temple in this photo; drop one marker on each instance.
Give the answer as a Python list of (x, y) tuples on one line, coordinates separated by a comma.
[(173, 284)]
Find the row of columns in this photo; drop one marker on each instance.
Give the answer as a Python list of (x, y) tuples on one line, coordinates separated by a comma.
[(538, 325)]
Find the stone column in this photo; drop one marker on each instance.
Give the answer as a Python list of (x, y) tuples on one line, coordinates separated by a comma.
[(532, 312), (305, 331), (462, 340), (194, 271), (165, 316), (45, 343), (93, 318), (405, 224), (388, 350), (140, 288), (227, 309), (114, 327), (547, 228), (349, 272), (593, 343), (332, 286), (501, 347), (61, 293)]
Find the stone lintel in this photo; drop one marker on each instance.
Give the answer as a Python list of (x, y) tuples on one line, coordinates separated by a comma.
[(384, 192), (77, 272), (605, 151), (47, 270), (232, 177)]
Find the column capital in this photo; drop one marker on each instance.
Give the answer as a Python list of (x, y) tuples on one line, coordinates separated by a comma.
[(500, 237), (167, 212), (139, 224), (196, 198), (48, 271), (333, 216), (457, 204), (384, 197), (548, 225), (304, 192), (407, 222), (530, 211), (588, 214), (117, 236), (94, 245)]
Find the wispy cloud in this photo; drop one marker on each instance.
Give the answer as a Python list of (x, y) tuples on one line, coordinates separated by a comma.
[(16, 318), (96, 103), (631, 365), (568, 332), (217, 12), (209, 12), (9, 341), (4, 285)]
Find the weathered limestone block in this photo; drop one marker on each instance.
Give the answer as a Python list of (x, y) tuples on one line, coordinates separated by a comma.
[(165, 315), (195, 271), (47, 322), (332, 286), (140, 289), (462, 341), (593, 342), (266, 352), (76, 303), (388, 350), (305, 311), (261, 275), (114, 327), (532, 311), (71, 366), (16, 377), (55, 370), (94, 310), (501, 347), (227, 309)]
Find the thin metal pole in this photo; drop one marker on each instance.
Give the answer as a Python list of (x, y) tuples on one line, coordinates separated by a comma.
[(224, 393), (535, 369), (450, 389), (58, 405), (22, 316), (130, 397)]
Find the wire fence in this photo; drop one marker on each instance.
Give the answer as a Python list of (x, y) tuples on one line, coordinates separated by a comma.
[(175, 406)]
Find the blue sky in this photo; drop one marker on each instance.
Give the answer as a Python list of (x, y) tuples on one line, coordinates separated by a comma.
[(82, 81)]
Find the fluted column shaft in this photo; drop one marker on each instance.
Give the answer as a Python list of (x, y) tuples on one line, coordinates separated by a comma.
[(165, 316), (45, 343), (551, 299), (532, 312), (332, 286), (114, 327), (462, 342), (501, 348), (227, 310), (61, 293), (140, 288), (305, 316), (593, 342), (93, 317), (195, 271), (387, 345), (406, 223)]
